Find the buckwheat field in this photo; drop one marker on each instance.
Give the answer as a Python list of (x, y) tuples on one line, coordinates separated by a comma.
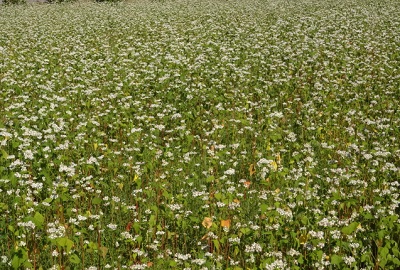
[(200, 135)]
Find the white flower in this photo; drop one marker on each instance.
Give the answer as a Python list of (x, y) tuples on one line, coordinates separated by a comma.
[(81, 218), (255, 247), (291, 137), (112, 226), (199, 261), (28, 154), (54, 253), (4, 259), (230, 172), (348, 260), (92, 160)]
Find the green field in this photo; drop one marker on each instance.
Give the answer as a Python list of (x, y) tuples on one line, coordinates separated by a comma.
[(200, 135)]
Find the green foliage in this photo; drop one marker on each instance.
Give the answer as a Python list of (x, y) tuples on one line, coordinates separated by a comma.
[(200, 134)]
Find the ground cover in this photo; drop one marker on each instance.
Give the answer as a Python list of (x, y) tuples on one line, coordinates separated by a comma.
[(200, 135)]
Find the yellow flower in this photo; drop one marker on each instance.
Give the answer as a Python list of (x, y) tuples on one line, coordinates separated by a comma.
[(226, 223), (207, 222), (251, 169), (274, 165), (278, 159)]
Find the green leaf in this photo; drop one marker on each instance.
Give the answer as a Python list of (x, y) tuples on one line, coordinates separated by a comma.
[(351, 228), (48, 200), (74, 259), (366, 257), (136, 227), (245, 230), (13, 180), (19, 258), (92, 246), (383, 263), (189, 139), (319, 254), (152, 221), (368, 216), (4, 154), (275, 136), (65, 243), (96, 201), (304, 220), (263, 208), (382, 234), (64, 197), (216, 245), (218, 196), (300, 259), (139, 239), (38, 220), (166, 194), (11, 228), (383, 252), (210, 179), (335, 259), (194, 219), (3, 206)]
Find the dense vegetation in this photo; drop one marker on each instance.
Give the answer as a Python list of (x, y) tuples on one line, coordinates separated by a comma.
[(200, 135)]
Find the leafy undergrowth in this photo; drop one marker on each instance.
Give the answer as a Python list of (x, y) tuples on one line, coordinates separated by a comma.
[(200, 135)]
